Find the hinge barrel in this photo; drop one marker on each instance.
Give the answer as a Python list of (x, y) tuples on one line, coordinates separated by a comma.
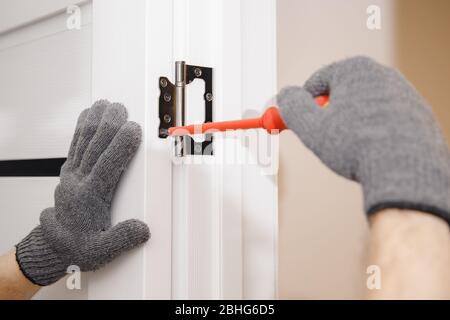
[(172, 107), (180, 111)]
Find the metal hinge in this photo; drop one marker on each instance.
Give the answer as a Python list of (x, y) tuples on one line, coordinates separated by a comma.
[(172, 107)]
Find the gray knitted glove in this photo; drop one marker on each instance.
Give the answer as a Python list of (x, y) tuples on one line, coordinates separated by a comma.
[(376, 130), (77, 231)]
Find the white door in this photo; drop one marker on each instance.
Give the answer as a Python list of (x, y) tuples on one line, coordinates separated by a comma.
[(213, 222)]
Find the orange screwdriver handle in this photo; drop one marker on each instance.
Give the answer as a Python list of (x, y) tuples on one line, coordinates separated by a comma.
[(322, 101), (271, 121)]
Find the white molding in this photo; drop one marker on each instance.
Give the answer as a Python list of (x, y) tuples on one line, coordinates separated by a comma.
[(260, 192), (158, 254), (228, 43), (224, 236)]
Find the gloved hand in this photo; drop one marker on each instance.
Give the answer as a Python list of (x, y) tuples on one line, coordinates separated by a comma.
[(377, 130), (77, 230)]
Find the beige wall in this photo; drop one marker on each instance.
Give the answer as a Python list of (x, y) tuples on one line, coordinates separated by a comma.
[(423, 51), (323, 230)]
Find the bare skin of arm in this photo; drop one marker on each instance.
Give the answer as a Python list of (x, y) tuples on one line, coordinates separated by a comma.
[(13, 284), (412, 249)]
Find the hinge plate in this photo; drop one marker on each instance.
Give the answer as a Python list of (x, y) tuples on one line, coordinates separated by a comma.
[(169, 114)]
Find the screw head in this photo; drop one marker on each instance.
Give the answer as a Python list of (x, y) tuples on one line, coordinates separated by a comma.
[(167, 97), (167, 118), (198, 72), (163, 82), (209, 97)]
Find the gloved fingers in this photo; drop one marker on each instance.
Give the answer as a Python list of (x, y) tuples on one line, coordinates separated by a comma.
[(321, 82), (115, 159), (301, 113), (122, 237), (76, 136), (114, 117), (297, 104), (340, 78), (89, 129)]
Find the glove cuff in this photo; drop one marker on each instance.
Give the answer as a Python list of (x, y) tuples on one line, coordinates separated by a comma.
[(38, 261), (416, 182), (410, 206)]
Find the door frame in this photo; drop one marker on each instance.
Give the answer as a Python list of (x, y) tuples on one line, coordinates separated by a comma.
[(225, 248)]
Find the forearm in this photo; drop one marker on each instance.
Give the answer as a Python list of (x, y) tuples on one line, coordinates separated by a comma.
[(412, 250), (13, 284)]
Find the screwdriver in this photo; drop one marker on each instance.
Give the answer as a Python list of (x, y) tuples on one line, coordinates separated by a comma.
[(270, 120)]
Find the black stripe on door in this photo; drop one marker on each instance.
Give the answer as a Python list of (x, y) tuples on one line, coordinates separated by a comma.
[(31, 167)]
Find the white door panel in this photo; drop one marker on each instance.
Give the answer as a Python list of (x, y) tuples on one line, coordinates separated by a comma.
[(45, 82), (213, 224)]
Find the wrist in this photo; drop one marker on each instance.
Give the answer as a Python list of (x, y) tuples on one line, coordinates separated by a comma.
[(411, 249), (14, 284), (38, 261)]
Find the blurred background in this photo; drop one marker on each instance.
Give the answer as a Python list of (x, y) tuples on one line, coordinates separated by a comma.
[(322, 226)]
